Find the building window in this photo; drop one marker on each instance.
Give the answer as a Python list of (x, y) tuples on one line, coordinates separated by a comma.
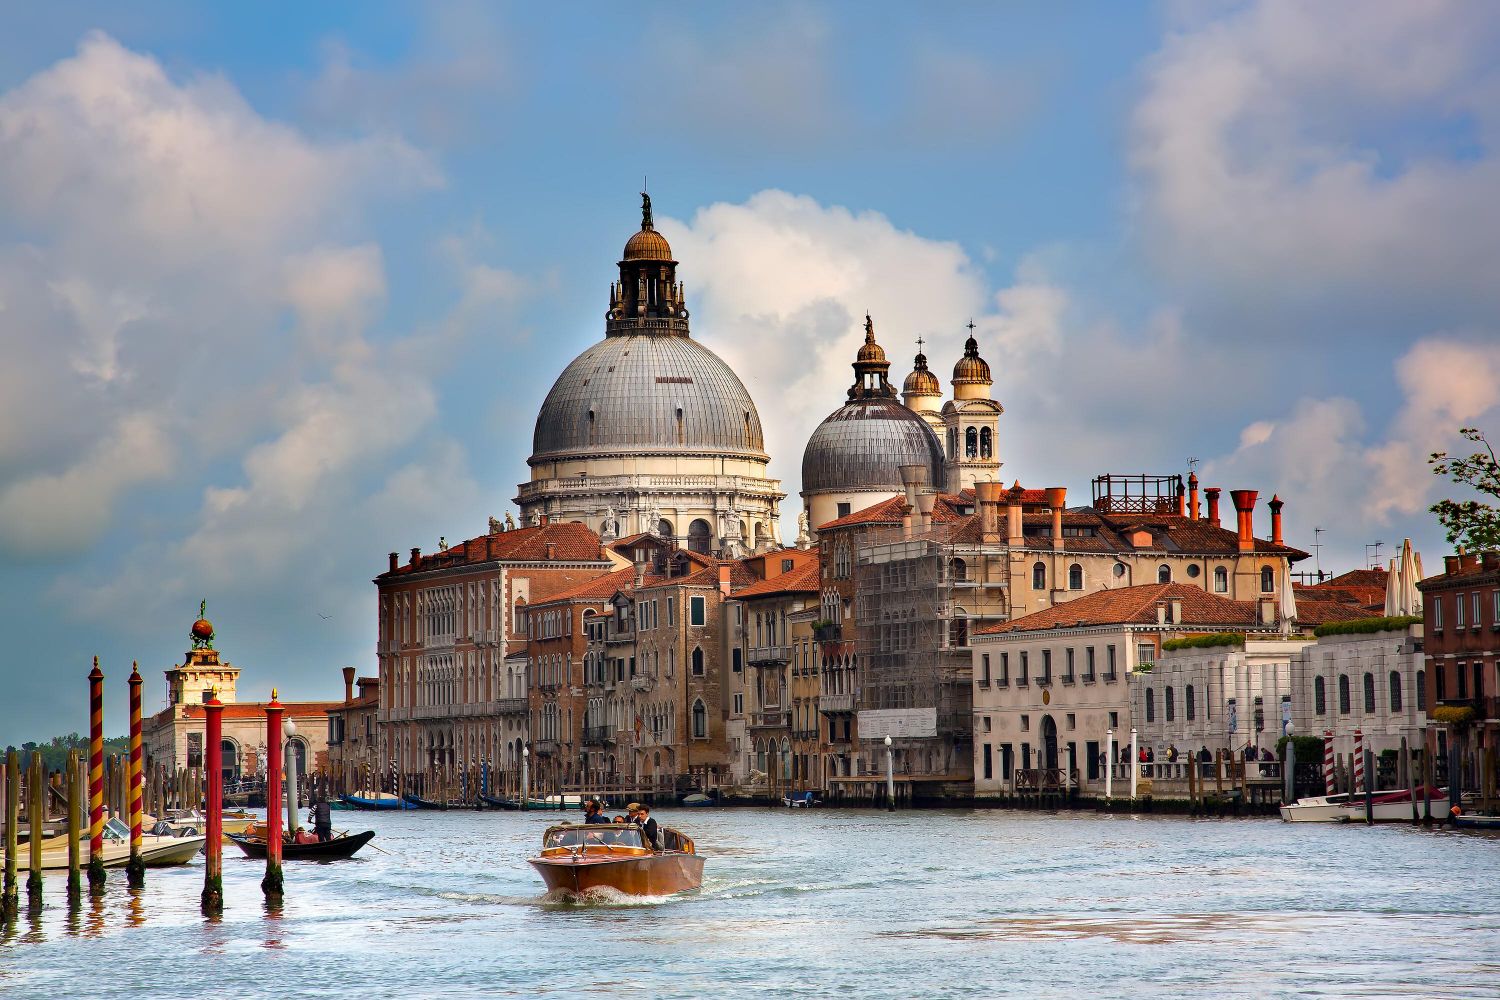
[(986, 443), (1170, 706), (1369, 694), (1458, 611), (1439, 680), (1004, 677), (989, 764), (1320, 696), (843, 509), (1221, 580), (1474, 607), (1024, 677), (1478, 669), (1343, 694), (1109, 660), (971, 443), (1150, 705), (1463, 678), (700, 720), (1421, 690), (1267, 580), (1039, 576), (960, 570), (1088, 663), (739, 704), (1187, 703), (737, 659), (1437, 612), (1395, 691), (1145, 653), (1068, 677), (1163, 573), (988, 725), (1075, 577), (696, 606), (1072, 720), (1025, 723), (1046, 666), (984, 663), (697, 662)]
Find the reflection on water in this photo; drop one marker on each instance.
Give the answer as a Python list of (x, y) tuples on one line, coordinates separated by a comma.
[(810, 904)]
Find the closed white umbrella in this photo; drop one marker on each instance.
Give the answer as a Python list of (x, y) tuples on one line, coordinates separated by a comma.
[(1393, 589), (1411, 598), (1288, 599)]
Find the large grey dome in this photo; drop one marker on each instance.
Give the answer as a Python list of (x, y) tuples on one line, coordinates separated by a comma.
[(863, 444), (647, 394)]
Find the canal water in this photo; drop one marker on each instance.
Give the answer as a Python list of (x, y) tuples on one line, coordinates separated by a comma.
[(814, 903)]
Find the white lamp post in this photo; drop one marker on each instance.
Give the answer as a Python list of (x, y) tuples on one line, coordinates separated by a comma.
[(1135, 765), (890, 776), (289, 729), (1109, 763), (525, 775)]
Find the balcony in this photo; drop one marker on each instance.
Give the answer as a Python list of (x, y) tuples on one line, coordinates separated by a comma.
[(597, 736), (510, 706), (768, 655), (835, 702), (546, 748), (771, 720), (828, 633)]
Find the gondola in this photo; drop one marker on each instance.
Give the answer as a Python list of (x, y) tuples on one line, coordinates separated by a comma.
[(380, 800), (343, 845), (420, 803)]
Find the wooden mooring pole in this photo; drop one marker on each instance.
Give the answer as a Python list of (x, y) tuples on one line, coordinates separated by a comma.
[(8, 894), (75, 826), (273, 885), (36, 810), (213, 807)]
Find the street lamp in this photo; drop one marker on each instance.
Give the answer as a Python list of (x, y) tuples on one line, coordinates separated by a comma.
[(890, 776), (288, 730), (525, 775)]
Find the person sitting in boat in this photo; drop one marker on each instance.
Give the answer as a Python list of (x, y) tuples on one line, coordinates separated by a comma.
[(593, 812), (640, 815)]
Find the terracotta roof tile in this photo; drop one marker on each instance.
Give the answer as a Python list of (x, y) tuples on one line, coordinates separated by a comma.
[(600, 588), (798, 581), (1135, 606), (570, 542)]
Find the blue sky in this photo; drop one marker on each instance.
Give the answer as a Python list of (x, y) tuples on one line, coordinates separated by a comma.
[(281, 288)]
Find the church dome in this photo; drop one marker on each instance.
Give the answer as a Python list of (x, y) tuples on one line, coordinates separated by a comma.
[(647, 244), (921, 381), (647, 394), (863, 444), (971, 368)]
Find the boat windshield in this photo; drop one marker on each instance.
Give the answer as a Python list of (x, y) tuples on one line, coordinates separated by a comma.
[(585, 836)]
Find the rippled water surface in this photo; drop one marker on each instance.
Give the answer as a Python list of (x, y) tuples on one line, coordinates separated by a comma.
[(811, 904)]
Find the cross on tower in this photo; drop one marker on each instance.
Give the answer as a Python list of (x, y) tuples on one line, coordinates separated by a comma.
[(920, 342), (971, 326)]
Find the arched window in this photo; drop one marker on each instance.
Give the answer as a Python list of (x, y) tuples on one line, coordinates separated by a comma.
[(952, 443), (958, 628), (1343, 694), (1221, 580), (1170, 706), (1187, 703), (986, 443), (700, 720), (1395, 691), (697, 661), (1369, 693), (699, 535), (1267, 580), (1421, 690), (1150, 705), (1163, 573), (960, 570), (1320, 696), (1039, 576), (1075, 577), (971, 443), (229, 756), (665, 530)]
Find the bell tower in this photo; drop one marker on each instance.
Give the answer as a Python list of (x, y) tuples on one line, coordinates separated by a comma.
[(971, 422), (648, 298)]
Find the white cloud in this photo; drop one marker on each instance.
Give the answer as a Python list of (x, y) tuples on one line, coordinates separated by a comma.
[(1336, 152)]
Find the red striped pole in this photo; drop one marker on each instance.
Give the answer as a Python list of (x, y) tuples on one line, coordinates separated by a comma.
[(96, 778), (213, 806), (136, 870), (1329, 777), (1359, 760), (272, 885)]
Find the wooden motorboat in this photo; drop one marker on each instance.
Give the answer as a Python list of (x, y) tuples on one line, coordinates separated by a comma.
[(1395, 806), (156, 851), (1318, 809), (305, 847), (375, 800), (576, 859)]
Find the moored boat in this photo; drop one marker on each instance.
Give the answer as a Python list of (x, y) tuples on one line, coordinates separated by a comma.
[(375, 800), (157, 851), (1476, 821), (1394, 806), (576, 859), (1318, 809)]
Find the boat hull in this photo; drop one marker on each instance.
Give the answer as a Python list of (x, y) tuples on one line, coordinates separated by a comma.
[(156, 852), (329, 850), (384, 802), (653, 875)]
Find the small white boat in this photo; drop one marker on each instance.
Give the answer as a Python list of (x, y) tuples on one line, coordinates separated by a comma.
[(1319, 809), (156, 851), (1395, 806)]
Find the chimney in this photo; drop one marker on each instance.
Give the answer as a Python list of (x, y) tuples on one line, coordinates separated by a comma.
[(1193, 509), (1244, 511), (1181, 500), (1275, 503), (348, 684), (925, 503), (1013, 530), (988, 497), (1490, 560), (640, 573), (544, 519), (1174, 606), (1451, 564), (551, 546), (395, 561), (1268, 611), (1057, 499), (1213, 505), (724, 579), (1161, 612), (912, 478), (416, 554)]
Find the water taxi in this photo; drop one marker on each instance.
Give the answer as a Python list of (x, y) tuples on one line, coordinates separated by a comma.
[(579, 858), (157, 850)]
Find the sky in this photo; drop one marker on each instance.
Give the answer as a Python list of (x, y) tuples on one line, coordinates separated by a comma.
[(283, 286)]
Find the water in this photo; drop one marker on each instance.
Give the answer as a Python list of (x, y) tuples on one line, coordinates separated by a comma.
[(812, 904)]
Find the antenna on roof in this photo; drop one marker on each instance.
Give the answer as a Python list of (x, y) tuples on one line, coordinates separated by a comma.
[(1318, 551), (1193, 464), (1372, 554)]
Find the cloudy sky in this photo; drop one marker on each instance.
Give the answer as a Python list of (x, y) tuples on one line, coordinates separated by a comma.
[(282, 289)]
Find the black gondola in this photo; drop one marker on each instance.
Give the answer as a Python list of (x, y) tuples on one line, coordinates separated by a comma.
[(422, 803), (342, 846)]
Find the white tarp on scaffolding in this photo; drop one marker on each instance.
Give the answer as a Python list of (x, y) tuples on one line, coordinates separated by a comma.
[(898, 723)]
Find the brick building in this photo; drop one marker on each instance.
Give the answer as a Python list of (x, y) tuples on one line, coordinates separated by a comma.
[(1461, 611)]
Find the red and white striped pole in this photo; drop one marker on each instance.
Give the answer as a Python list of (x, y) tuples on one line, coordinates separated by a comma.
[(272, 884), (213, 806), (1359, 760), (96, 778), (1329, 778), (136, 869)]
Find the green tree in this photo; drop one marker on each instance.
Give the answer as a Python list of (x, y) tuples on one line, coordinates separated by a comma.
[(1470, 523)]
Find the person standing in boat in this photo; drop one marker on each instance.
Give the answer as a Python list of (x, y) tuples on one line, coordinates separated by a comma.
[(322, 820), (640, 815)]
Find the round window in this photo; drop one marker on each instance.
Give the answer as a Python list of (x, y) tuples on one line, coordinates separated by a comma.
[(1193, 571), (1119, 569)]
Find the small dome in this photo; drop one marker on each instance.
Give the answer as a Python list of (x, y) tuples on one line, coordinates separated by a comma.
[(921, 382), (648, 244), (863, 444), (971, 368)]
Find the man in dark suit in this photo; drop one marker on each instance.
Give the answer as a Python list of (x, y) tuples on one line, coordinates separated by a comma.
[(640, 815)]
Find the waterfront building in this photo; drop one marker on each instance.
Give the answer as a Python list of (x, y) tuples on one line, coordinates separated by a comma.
[(353, 735), (1049, 686), (648, 430), (451, 643), (174, 736), (1461, 609)]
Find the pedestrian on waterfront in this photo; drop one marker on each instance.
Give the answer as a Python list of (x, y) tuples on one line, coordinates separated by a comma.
[(1171, 753), (1204, 755), (1150, 755)]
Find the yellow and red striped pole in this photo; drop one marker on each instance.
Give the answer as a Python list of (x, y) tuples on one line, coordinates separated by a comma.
[(96, 778), (136, 869), (213, 806), (272, 884)]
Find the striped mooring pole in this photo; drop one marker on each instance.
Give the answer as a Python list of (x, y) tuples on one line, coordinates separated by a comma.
[(1330, 779), (135, 871), (96, 778), (1359, 760)]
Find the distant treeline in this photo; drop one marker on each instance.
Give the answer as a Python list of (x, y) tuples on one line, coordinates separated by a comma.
[(55, 753)]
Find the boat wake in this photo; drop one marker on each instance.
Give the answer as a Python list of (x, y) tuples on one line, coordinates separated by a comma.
[(600, 896)]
